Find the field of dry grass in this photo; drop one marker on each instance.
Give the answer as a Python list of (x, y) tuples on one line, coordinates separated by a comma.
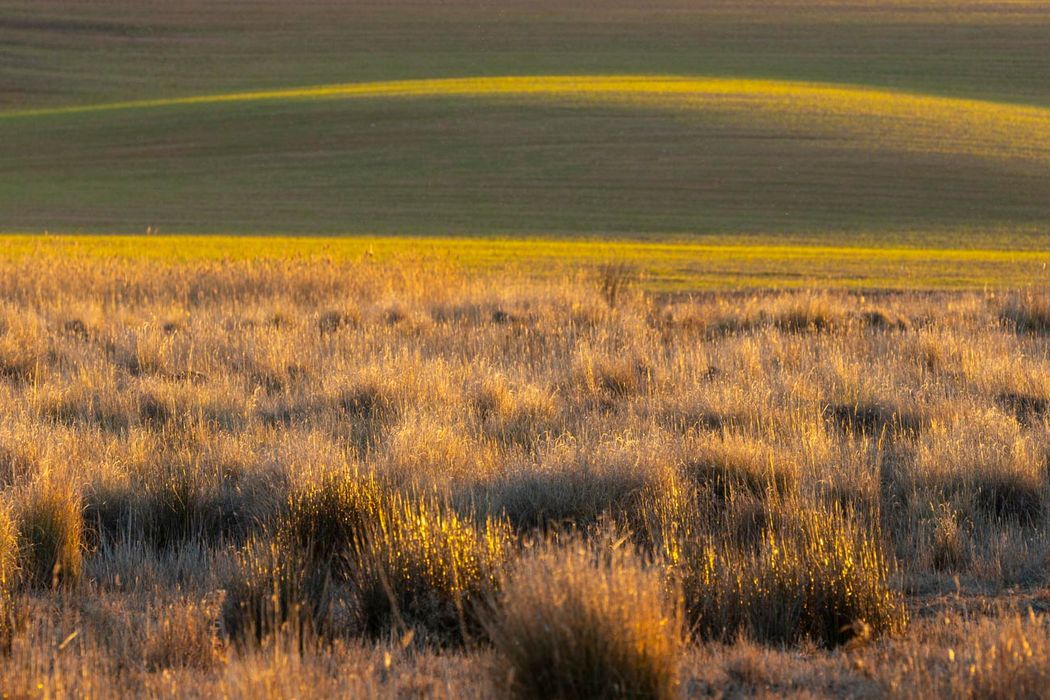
[(278, 478)]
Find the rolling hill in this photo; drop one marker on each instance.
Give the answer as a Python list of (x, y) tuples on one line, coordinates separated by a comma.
[(908, 121)]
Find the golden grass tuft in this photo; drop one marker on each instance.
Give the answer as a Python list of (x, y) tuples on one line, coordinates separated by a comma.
[(426, 568), (579, 620), (817, 575)]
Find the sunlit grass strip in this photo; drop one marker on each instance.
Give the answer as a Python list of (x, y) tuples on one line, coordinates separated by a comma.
[(892, 118), (674, 266)]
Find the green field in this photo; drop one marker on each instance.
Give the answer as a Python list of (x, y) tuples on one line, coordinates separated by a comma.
[(921, 124), (718, 262)]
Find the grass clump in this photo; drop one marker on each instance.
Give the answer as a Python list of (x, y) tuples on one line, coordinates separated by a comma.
[(576, 621), (1028, 312), (817, 576), (51, 530), (275, 593), (327, 518), (729, 466), (423, 566), (408, 561)]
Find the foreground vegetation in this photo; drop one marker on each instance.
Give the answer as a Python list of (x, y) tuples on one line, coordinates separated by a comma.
[(335, 476)]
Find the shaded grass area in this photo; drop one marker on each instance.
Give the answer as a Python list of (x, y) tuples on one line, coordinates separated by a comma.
[(64, 51), (1011, 260)]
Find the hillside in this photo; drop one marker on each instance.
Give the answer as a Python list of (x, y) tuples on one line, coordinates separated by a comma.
[(836, 120)]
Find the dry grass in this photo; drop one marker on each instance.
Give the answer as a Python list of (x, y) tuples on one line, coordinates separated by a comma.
[(242, 477), (1029, 311), (580, 620), (815, 576), (51, 534)]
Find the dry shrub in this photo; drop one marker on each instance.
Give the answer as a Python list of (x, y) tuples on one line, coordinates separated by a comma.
[(818, 575), (578, 621), (51, 531)]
